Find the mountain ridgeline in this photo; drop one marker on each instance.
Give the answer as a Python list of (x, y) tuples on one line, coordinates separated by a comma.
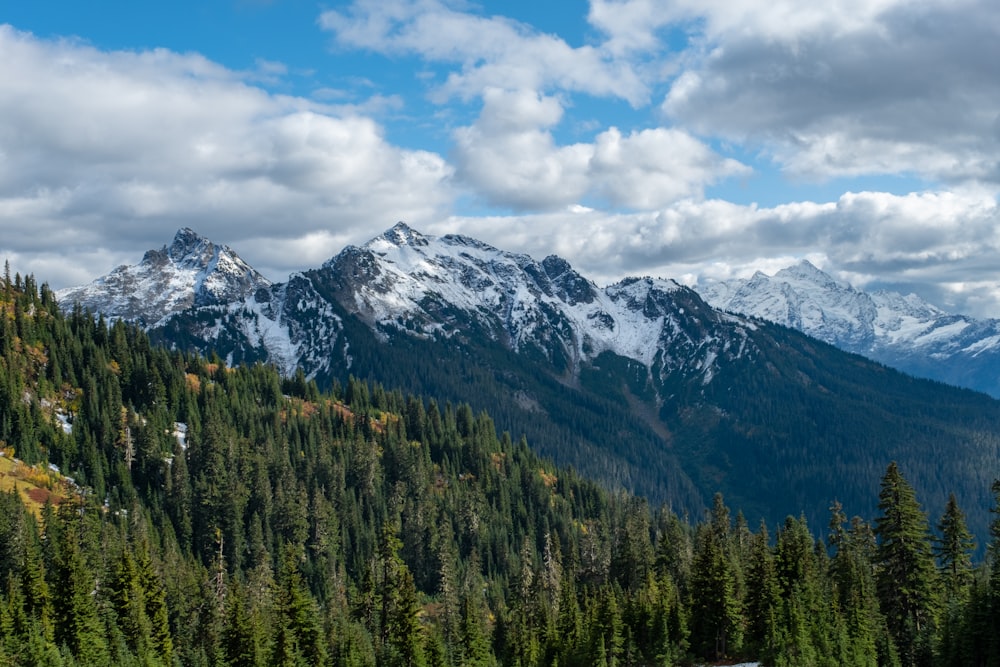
[(641, 384)]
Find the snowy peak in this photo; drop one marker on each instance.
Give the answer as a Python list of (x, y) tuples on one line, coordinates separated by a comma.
[(801, 297), (903, 331), (403, 281), (806, 273), (401, 234), (190, 248), (191, 271), (568, 285), (909, 305)]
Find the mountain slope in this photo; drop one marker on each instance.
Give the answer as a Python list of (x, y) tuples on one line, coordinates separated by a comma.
[(641, 384), (904, 332)]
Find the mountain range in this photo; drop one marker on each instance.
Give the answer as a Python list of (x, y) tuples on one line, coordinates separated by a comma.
[(641, 384), (902, 331)]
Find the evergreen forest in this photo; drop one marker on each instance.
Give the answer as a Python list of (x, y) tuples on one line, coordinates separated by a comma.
[(161, 508)]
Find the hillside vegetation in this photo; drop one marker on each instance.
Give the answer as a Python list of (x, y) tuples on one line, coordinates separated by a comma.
[(224, 516)]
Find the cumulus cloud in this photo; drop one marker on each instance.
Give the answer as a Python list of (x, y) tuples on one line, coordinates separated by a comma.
[(116, 150), (930, 242), (511, 157), (491, 51), (849, 88), (654, 167), (109, 152)]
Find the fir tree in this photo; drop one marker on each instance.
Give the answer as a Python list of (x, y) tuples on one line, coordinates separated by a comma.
[(906, 574), (715, 615), (954, 550)]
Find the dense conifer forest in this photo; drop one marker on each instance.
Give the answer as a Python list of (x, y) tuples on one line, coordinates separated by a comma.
[(161, 508)]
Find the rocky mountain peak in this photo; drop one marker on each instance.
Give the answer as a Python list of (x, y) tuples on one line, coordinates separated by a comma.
[(569, 285), (805, 271), (402, 234), (191, 271), (187, 242)]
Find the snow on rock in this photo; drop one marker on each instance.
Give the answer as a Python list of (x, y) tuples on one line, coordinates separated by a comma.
[(65, 423), (428, 286), (191, 271), (180, 433), (900, 330), (420, 285)]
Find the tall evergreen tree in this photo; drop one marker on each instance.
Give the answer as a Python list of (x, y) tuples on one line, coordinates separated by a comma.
[(906, 574), (78, 623), (763, 601), (715, 608), (853, 580), (953, 549)]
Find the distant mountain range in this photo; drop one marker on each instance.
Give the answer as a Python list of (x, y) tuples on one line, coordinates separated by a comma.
[(641, 384), (904, 332)]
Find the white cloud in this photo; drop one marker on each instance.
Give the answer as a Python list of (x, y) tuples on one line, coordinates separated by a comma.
[(653, 168), (630, 25), (918, 240), (848, 88), (109, 152), (116, 149), (510, 157), (492, 52)]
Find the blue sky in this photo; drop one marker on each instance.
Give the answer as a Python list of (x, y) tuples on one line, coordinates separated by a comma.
[(698, 140)]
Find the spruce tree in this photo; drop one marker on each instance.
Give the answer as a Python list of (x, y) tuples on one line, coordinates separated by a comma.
[(763, 601), (715, 609), (954, 550), (989, 632), (906, 578)]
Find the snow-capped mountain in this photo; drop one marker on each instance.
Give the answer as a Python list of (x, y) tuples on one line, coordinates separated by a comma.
[(403, 282), (902, 331), (190, 272), (452, 285), (641, 384), (463, 319)]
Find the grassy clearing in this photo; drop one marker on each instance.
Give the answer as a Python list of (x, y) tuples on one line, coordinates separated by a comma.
[(35, 485)]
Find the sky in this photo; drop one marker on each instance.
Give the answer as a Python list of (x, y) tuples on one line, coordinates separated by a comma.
[(698, 140)]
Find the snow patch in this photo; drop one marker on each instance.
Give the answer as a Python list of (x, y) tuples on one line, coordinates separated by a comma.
[(180, 433)]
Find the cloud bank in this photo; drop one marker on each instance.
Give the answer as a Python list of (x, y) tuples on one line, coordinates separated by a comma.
[(106, 153)]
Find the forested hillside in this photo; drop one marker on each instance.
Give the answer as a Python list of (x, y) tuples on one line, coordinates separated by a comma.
[(224, 516), (640, 385)]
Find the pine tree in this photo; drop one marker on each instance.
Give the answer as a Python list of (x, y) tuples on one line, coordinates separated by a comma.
[(954, 550), (128, 598), (241, 637), (399, 633), (989, 631), (155, 601), (763, 601), (852, 578), (715, 616), (906, 574), (298, 615), (78, 624)]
